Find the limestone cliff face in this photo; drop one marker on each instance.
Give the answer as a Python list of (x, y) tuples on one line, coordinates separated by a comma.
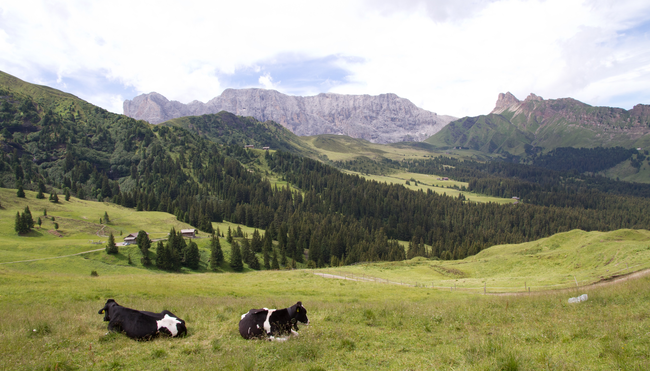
[(385, 118)]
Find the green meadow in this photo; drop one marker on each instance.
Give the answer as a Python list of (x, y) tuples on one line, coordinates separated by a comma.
[(425, 182), (49, 308)]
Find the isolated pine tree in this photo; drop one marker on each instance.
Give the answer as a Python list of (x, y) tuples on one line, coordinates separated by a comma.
[(21, 192), (111, 247), (235, 258), (145, 244), (216, 254), (27, 218), (106, 219), (40, 195), (54, 197), (142, 235), (67, 194)]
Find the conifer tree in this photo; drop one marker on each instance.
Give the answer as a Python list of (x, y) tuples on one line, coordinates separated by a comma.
[(246, 251), (192, 256), (27, 218), (19, 225), (265, 252), (274, 261), (229, 238), (111, 247), (283, 258), (53, 197), (256, 242), (235, 258), (21, 192), (216, 254), (140, 238), (67, 194), (161, 258), (40, 195), (106, 219), (253, 262), (39, 222), (144, 243)]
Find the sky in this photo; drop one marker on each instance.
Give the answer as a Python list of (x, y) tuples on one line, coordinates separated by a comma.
[(451, 57)]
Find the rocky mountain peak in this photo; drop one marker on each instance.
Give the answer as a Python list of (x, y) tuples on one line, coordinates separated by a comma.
[(384, 118), (533, 97), (504, 102)]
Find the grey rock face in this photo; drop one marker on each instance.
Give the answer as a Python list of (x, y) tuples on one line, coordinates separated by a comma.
[(385, 118)]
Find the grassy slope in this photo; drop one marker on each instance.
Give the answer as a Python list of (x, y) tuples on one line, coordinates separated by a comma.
[(355, 325), (426, 182), (549, 263)]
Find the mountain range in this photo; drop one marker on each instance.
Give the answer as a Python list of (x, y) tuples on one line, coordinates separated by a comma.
[(534, 124), (384, 118)]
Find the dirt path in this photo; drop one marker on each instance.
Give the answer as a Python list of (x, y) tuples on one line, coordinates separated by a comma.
[(602, 283), (54, 257)]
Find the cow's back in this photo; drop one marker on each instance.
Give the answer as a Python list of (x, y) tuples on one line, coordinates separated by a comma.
[(135, 324), (251, 324)]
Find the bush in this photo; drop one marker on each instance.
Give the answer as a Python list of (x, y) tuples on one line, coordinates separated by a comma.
[(94, 274)]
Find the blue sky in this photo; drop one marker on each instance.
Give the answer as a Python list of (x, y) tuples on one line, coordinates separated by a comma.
[(449, 56)]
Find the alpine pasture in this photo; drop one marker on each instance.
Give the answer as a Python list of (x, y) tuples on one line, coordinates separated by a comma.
[(49, 302)]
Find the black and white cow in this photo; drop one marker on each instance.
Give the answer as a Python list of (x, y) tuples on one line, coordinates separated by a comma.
[(139, 324), (258, 323)]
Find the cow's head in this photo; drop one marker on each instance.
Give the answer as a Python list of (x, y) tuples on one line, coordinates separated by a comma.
[(301, 313), (107, 309)]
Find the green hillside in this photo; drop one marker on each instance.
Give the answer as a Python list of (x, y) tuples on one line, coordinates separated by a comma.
[(50, 306), (535, 125), (559, 261), (227, 128)]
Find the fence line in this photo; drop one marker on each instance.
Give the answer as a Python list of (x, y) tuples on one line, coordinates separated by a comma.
[(455, 286)]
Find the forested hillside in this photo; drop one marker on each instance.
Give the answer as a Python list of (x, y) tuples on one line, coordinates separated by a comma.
[(227, 128), (67, 145)]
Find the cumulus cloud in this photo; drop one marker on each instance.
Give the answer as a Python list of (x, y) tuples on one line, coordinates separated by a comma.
[(266, 81), (447, 56)]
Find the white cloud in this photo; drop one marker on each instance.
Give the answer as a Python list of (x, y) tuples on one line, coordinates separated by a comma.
[(267, 81), (447, 56)]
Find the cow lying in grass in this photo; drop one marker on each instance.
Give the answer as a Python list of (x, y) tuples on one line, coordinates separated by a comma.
[(258, 323), (141, 324)]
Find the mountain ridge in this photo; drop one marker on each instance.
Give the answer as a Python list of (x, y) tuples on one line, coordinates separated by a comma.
[(517, 126), (384, 118)]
